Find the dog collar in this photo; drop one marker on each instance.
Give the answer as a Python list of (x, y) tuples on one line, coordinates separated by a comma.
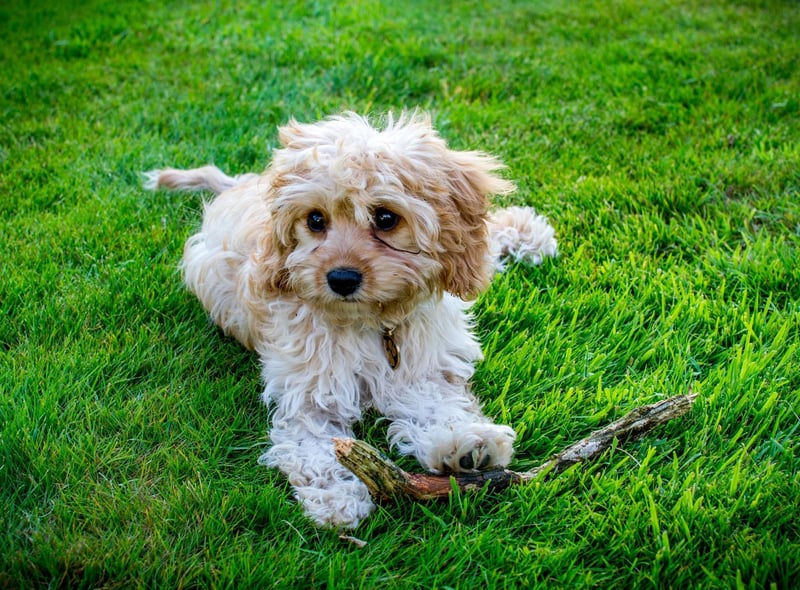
[(390, 348)]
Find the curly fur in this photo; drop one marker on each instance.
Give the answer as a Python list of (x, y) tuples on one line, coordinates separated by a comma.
[(315, 304)]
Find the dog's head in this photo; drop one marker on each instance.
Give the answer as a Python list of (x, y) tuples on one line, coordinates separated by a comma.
[(377, 217)]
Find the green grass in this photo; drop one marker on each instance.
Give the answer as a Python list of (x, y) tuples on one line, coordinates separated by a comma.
[(660, 138)]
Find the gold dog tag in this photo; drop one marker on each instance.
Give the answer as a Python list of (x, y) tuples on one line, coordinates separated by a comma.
[(391, 349)]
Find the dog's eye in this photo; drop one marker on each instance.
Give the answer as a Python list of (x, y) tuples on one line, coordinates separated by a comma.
[(384, 219), (316, 221)]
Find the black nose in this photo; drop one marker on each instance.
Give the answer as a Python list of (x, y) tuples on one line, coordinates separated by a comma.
[(344, 281)]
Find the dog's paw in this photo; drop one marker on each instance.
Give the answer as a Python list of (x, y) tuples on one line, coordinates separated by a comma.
[(520, 234), (340, 506), (473, 447)]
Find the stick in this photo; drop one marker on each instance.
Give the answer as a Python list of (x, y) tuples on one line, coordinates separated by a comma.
[(386, 481)]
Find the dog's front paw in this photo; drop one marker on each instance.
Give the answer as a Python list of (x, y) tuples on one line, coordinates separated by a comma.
[(339, 505), (472, 447)]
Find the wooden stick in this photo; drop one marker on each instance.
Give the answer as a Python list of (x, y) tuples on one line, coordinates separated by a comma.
[(386, 481)]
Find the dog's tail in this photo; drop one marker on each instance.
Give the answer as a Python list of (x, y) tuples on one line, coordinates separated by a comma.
[(520, 234), (208, 178)]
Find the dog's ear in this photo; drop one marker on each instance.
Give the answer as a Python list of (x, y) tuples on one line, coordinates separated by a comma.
[(275, 241), (471, 177), (270, 275)]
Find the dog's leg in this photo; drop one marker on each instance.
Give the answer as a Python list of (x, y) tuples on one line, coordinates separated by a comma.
[(522, 235), (442, 425), (218, 261), (329, 493)]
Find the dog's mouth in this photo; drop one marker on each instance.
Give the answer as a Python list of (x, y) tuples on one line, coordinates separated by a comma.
[(348, 292)]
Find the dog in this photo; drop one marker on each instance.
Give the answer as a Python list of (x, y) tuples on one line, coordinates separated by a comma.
[(349, 266)]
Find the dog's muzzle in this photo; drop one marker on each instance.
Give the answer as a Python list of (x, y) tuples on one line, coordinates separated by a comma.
[(344, 281)]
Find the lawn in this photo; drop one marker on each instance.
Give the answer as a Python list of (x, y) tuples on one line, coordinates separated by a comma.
[(662, 140)]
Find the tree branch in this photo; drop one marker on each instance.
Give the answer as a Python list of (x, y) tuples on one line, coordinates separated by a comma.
[(386, 481)]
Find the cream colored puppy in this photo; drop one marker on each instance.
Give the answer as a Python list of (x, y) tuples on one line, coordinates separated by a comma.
[(346, 266)]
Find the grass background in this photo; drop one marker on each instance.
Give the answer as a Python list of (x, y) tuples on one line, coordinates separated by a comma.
[(660, 138)]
